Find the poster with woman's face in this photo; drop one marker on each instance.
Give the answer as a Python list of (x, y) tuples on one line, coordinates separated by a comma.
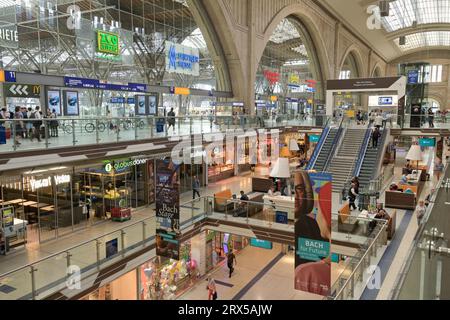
[(313, 199)]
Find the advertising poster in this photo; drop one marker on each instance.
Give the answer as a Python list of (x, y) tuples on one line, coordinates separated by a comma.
[(167, 244), (112, 248), (54, 101), (72, 106), (141, 105), (313, 195), (167, 195), (7, 216), (153, 105)]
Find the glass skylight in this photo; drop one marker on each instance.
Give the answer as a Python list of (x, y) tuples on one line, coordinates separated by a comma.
[(195, 40), (285, 31), (403, 13), (425, 39)]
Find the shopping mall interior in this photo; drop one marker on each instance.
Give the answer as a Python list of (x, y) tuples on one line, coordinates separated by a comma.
[(224, 150)]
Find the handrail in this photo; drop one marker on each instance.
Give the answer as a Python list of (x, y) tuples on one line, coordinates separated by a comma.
[(318, 148), (362, 153), (406, 266), (71, 248), (335, 144), (381, 150), (344, 286)]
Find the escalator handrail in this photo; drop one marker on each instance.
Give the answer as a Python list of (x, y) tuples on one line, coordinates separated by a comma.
[(380, 152), (335, 144), (362, 153), (318, 149)]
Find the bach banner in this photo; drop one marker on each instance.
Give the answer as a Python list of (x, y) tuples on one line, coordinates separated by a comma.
[(167, 195), (313, 195)]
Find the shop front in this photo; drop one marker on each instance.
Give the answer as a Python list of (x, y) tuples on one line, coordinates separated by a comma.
[(54, 201)]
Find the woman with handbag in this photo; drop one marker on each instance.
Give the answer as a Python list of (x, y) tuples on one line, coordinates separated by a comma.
[(211, 287)]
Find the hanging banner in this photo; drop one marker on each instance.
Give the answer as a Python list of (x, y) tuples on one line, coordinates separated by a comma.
[(168, 244), (167, 195), (7, 221), (182, 59), (313, 198)]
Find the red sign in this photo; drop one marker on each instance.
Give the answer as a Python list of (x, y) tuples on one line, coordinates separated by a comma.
[(272, 77), (311, 83)]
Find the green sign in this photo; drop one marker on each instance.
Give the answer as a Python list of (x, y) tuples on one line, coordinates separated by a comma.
[(427, 142), (108, 42), (118, 166)]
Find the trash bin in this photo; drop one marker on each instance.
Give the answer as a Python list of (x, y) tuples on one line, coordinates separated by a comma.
[(160, 125)]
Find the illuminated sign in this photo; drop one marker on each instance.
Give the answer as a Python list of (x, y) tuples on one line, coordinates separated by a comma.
[(9, 36), (272, 77), (182, 59), (108, 42), (118, 166), (47, 182)]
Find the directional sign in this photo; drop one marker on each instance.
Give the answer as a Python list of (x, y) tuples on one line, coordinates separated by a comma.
[(22, 90), (10, 76)]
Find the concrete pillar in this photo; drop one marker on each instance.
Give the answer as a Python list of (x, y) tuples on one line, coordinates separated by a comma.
[(249, 98), (337, 67), (198, 252)]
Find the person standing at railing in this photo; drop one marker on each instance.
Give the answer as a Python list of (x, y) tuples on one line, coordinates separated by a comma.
[(19, 125), (36, 117), (171, 120), (430, 118)]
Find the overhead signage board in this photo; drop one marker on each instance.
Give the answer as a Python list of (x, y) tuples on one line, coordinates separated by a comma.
[(7, 76), (14, 90), (427, 142), (108, 42), (74, 82), (383, 101), (263, 244), (362, 84), (413, 77), (9, 36), (182, 59), (81, 83)]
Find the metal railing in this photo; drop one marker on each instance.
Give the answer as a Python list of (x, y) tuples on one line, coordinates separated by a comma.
[(28, 134), (337, 142), (362, 152), (53, 273), (318, 148)]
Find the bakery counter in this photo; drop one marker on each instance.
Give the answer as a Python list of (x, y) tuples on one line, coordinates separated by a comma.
[(281, 204)]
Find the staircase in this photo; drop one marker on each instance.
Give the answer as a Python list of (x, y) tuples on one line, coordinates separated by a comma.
[(326, 149), (342, 165)]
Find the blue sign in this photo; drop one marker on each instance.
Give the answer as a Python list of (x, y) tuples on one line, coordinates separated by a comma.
[(314, 138), (281, 217), (137, 87), (385, 101), (312, 250), (413, 77), (131, 101), (81, 83), (264, 244), (311, 89), (118, 100), (427, 142), (10, 76)]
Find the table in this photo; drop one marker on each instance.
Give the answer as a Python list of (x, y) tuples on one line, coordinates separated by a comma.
[(29, 203), (39, 205), (48, 208), (16, 201)]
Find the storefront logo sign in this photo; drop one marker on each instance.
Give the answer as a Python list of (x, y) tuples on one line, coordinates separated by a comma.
[(108, 42), (9, 36), (47, 182), (119, 166), (182, 59)]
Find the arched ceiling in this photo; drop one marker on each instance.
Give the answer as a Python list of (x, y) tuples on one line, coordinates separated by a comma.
[(425, 24)]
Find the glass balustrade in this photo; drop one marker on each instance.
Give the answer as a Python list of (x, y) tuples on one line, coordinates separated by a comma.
[(33, 134)]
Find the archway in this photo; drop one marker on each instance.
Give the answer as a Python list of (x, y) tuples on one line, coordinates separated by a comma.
[(376, 73), (351, 66), (289, 69)]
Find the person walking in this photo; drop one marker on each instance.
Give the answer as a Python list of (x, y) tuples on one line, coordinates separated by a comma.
[(352, 194), (231, 262), (195, 188), (211, 287), (375, 137), (36, 117), (171, 120), (438, 168), (379, 121), (430, 118), (420, 212)]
